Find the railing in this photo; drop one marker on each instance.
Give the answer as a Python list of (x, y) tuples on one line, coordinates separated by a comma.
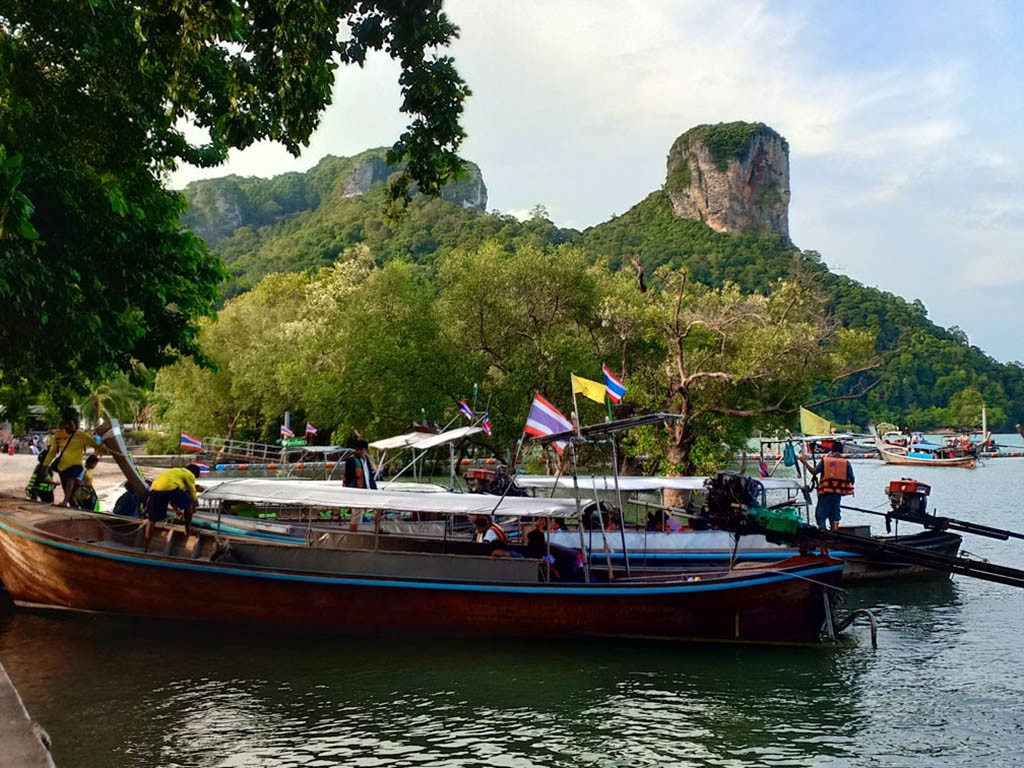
[(243, 449)]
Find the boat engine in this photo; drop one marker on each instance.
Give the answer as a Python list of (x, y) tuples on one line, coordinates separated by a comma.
[(909, 500), (730, 497)]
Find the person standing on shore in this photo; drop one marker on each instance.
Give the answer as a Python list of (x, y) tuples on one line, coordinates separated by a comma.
[(67, 453)]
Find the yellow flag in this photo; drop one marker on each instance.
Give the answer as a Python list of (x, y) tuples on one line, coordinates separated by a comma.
[(592, 389), (812, 424)]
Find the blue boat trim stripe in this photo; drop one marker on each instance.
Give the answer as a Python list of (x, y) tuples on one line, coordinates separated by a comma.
[(573, 589)]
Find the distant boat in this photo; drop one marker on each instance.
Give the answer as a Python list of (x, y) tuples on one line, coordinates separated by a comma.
[(95, 562), (914, 450)]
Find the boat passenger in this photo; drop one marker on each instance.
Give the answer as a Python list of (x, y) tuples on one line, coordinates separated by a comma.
[(359, 474), (175, 487), (358, 469), (488, 532)]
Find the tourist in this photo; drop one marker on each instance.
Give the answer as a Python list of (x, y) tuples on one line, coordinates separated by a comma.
[(358, 469), (489, 532), (175, 487), (66, 453)]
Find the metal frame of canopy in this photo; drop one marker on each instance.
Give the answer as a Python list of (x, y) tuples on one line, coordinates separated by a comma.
[(419, 443), (327, 494)]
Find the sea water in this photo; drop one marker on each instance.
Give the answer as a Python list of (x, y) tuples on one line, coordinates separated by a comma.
[(944, 687)]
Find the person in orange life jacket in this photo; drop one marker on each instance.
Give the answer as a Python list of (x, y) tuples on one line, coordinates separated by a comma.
[(835, 480), (359, 474), (490, 533)]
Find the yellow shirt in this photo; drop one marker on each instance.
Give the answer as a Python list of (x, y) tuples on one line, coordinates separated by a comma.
[(175, 479), (75, 452)]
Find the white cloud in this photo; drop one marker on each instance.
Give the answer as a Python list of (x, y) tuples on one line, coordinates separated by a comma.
[(903, 156)]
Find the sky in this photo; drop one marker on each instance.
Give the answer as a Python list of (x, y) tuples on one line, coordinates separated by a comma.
[(902, 121)]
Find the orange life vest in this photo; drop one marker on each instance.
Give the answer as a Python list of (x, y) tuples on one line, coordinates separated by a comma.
[(499, 532), (835, 477)]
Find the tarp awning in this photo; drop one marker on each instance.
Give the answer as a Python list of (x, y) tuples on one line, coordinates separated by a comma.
[(332, 494)]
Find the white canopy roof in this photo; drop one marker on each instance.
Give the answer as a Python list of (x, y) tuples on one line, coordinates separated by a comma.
[(635, 483), (451, 436), (332, 494), (408, 440), (421, 441)]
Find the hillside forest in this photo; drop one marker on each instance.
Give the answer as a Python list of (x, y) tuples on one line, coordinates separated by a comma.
[(359, 323)]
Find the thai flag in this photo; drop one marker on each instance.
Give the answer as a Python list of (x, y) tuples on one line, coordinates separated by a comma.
[(310, 429), (286, 431), (204, 469), (545, 419), (486, 424), (189, 443), (616, 389), (762, 468), (465, 410)]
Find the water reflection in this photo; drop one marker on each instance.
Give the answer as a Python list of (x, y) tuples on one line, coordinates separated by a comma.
[(205, 697), (943, 688)]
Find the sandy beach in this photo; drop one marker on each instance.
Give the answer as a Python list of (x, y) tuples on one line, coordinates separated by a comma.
[(15, 471)]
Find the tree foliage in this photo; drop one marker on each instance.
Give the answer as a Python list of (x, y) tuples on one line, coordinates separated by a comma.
[(360, 347), (96, 273)]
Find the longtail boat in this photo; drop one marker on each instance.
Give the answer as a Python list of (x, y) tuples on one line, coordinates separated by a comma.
[(94, 562), (644, 551), (914, 450)]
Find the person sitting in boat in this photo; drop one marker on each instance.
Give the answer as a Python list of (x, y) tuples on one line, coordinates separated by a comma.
[(835, 480), (656, 521), (175, 487), (490, 533)]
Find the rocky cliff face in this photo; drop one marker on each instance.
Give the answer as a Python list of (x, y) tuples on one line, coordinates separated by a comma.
[(732, 176), (218, 207)]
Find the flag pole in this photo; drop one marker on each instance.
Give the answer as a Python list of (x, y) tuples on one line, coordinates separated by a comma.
[(575, 408)]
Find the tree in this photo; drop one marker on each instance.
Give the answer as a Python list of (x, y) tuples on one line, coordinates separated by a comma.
[(96, 273), (732, 360), (524, 320)]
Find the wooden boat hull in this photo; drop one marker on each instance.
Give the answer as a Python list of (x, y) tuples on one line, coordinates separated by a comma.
[(81, 562)]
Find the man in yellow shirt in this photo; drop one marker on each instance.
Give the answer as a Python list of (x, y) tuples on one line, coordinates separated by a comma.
[(175, 487), (67, 450)]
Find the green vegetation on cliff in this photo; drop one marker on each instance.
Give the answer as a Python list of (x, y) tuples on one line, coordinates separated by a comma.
[(926, 366), (724, 141)]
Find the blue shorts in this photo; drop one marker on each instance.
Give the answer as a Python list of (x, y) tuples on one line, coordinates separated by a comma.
[(156, 506), (827, 510), (72, 473)]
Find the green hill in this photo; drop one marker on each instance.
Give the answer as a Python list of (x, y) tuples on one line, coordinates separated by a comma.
[(301, 222)]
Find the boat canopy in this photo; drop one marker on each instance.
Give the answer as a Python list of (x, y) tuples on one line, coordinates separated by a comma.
[(635, 483), (325, 493), (423, 441)]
